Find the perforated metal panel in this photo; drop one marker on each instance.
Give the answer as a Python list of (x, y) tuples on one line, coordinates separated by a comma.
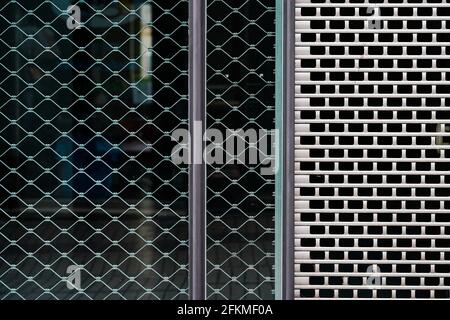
[(240, 201), (87, 107), (372, 162)]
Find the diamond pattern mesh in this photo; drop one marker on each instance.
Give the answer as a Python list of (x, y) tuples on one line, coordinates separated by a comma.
[(372, 153), (86, 177), (240, 95)]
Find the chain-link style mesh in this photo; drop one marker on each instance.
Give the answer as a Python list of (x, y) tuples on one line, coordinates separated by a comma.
[(240, 202), (372, 153), (86, 178)]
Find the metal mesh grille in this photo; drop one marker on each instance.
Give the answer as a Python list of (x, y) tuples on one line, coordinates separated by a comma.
[(240, 202), (372, 152), (86, 177)]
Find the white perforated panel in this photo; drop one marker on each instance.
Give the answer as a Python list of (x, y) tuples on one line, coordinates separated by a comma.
[(372, 157)]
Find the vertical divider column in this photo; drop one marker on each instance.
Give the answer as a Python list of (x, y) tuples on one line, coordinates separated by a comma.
[(289, 146), (197, 167), (285, 122)]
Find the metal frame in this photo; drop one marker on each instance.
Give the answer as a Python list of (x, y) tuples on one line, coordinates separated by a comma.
[(289, 143), (285, 102), (197, 108)]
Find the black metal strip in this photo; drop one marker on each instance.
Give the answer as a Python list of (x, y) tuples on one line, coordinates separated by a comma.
[(197, 188), (288, 147)]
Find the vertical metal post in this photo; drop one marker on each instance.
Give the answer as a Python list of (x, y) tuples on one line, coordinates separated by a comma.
[(197, 188), (285, 86), (288, 146), (278, 265)]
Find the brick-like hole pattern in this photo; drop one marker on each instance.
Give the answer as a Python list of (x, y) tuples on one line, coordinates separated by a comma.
[(372, 157)]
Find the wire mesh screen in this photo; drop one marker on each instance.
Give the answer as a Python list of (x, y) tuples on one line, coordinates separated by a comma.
[(89, 94), (372, 152), (240, 201)]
